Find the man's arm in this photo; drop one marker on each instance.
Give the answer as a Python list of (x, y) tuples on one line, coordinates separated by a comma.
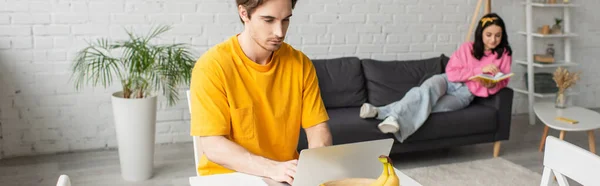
[(314, 113), (318, 135), (228, 154)]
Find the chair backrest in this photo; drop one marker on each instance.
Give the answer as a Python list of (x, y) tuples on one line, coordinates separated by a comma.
[(564, 159), (63, 180), (197, 145)]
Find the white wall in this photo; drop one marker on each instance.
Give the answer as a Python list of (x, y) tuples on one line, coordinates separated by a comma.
[(40, 111)]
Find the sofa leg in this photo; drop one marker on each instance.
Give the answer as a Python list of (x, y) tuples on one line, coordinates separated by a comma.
[(496, 148)]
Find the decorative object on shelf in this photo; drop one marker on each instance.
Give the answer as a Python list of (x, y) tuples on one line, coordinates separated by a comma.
[(545, 29), (565, 1), (556, 28), (541, 58), (550, 50), (564, 80), (543, 83), (551, 1)]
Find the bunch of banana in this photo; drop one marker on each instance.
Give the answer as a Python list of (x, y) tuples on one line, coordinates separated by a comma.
[(388, 176)]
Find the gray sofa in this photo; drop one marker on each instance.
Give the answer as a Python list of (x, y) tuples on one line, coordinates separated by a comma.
[(346, 83)]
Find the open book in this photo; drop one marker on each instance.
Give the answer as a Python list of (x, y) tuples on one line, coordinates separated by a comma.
[(494, 79)]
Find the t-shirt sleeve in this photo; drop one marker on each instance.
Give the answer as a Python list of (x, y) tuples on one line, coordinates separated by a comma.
[(209, 107), (313, 108)]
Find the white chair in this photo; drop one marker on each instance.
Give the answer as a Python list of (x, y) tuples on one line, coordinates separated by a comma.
[(63, 180), (564, 159), (197, 145)]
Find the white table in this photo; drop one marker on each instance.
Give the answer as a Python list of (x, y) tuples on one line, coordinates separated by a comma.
[(588, 121), (241, 179)]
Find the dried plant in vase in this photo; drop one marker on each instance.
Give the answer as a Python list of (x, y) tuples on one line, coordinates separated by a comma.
[(564, 80)]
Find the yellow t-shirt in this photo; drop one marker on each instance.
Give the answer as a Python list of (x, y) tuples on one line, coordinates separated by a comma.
[(260, 107)]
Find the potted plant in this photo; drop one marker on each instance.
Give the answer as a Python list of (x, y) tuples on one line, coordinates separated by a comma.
[(556, 28), (144, 70)]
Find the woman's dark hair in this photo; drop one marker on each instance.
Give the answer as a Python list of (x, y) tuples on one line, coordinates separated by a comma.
[(478, 46)]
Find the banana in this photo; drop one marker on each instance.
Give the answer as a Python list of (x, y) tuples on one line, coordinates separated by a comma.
[(393, 179), (384, 174)]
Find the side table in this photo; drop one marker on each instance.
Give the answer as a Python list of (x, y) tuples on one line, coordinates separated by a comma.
[(588, 121)]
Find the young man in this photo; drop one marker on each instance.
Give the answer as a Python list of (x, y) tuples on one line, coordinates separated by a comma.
[(252, 94)]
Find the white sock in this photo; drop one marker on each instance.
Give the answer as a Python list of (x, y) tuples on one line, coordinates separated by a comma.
[(389, 125), (368, 111)]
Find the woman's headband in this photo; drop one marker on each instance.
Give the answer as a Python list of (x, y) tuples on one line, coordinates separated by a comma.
[(487, 19)]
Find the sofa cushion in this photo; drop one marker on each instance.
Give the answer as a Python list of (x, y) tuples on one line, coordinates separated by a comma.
[(388, 81), (444, 60), (425, 77), (475, 119), (347, 127), (341, 81)]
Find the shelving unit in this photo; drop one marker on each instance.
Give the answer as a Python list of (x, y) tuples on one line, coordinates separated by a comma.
[(558, 5), (558, 63), (530, 34), (538, 35), (542, 95)]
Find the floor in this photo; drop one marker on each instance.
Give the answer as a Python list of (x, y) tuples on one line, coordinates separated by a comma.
[(174, 162)]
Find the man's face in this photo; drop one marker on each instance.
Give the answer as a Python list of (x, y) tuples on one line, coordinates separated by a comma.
[(269, 22)]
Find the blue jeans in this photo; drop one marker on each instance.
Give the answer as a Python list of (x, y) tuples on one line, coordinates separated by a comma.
[(436, 94)]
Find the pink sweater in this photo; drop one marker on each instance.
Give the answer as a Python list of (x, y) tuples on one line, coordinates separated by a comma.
[(463, 65)]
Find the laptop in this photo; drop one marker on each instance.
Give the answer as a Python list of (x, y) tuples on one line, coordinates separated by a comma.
[(354, 160)]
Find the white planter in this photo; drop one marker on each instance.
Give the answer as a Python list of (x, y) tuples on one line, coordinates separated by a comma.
[(135, 124)]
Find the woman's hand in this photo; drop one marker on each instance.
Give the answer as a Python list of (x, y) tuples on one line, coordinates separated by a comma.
[(486, 84), (491, 69), (489, 85)]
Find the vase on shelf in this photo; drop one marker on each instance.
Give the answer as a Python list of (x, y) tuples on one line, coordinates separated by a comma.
[(556, 28), (550, 50), (561, 100), (544, 29)]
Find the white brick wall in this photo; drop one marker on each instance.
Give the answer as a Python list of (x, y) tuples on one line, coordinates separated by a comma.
[(40, 112)]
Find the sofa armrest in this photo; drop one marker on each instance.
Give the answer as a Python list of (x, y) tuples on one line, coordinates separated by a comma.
[(502, 102)]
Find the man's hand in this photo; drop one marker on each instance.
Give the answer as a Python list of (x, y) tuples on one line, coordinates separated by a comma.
[(318, 136), (283, 171)]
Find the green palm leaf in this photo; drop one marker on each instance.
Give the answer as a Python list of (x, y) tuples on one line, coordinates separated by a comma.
[(142, 68)]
